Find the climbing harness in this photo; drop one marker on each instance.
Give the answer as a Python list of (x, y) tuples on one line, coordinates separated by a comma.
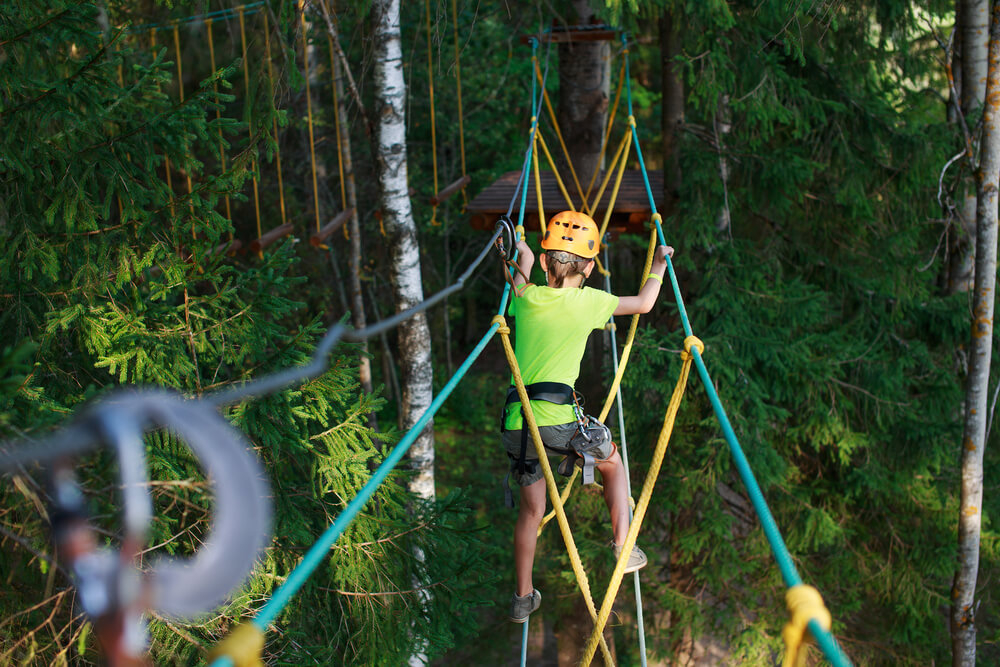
[(556, 393)]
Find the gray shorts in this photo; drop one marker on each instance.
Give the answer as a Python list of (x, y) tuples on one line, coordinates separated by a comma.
[(556, 440)]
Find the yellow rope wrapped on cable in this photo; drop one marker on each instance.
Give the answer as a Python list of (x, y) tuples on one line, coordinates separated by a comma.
[(550, 482), (538, 183), (642, 504), (555, 125), (627, 350), (253, 160), (624, 145), (618, 184), (243, 646), (555, 172), (804, 604)]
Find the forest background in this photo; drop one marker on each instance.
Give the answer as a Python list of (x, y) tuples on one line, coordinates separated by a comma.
[(814, 205)]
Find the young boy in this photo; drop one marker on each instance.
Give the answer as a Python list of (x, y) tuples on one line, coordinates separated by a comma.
[(553, 324)]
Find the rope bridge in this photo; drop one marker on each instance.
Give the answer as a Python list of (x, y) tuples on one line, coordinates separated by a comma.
[(809, 614)]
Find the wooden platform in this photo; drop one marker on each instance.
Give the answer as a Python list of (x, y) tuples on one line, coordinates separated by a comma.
[(631, 213)]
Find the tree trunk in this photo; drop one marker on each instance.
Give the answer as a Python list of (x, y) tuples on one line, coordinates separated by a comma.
[(974, 24), (964, 605), (413, 335), (584, 88), (673, 109), (354, 261), (723, 126)]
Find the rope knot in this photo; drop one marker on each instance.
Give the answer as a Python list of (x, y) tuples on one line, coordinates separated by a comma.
[(519, 230), (655, 219), (503, 328), (804, 604), (631, 121), (692, 341)]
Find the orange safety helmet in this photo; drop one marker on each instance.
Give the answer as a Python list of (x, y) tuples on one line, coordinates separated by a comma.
[(573, 232)]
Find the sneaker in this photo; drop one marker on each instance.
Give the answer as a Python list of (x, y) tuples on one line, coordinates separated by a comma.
[(522, 606), (636, 560)]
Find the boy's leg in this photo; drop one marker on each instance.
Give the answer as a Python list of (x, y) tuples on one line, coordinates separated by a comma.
[(615, 494), (526, 533)]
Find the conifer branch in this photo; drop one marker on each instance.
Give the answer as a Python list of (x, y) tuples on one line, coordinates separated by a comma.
[(51, 19), (90, 63), (369, 594)]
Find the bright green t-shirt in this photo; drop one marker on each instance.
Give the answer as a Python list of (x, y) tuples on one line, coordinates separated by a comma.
[(551, 330)]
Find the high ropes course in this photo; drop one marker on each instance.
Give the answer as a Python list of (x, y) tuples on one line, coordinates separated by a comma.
[(181, 588)]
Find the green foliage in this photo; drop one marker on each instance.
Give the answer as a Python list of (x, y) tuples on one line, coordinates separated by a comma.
[(113, 276)]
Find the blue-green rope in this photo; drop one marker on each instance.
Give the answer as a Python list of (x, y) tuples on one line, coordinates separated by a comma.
[(824, 638)]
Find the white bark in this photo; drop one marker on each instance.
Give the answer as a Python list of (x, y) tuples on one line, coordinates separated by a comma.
[(964, 604), (413, 335), (974, 26)]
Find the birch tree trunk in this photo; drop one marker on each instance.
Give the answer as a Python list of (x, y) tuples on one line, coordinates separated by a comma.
[(974, 27), (413, 335), (964, 604)]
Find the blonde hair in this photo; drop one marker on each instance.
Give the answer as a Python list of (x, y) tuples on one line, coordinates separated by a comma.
[(562, 265)]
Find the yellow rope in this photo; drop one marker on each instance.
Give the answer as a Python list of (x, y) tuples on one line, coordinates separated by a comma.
[(336, 123), (559, 181), (166, 158), (627, 350), (458, 87), (340, 144), (550, 483), (804, 604), (607, 130), (618, 183), (430, 90), (253, 161), (555, 125), (538, 183), (243, 646), (309, 112), (643, 503), (180, 90), (623, 147), (218, 117), (274, 124)]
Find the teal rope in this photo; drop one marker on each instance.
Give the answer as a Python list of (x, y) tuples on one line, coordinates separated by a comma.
[(824, 639), (525, 170), (317, 553)]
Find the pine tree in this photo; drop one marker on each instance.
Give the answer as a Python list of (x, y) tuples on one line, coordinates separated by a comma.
[(114, 277)]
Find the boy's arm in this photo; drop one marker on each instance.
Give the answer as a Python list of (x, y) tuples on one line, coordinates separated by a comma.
[(643, 302), (525, 260)]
